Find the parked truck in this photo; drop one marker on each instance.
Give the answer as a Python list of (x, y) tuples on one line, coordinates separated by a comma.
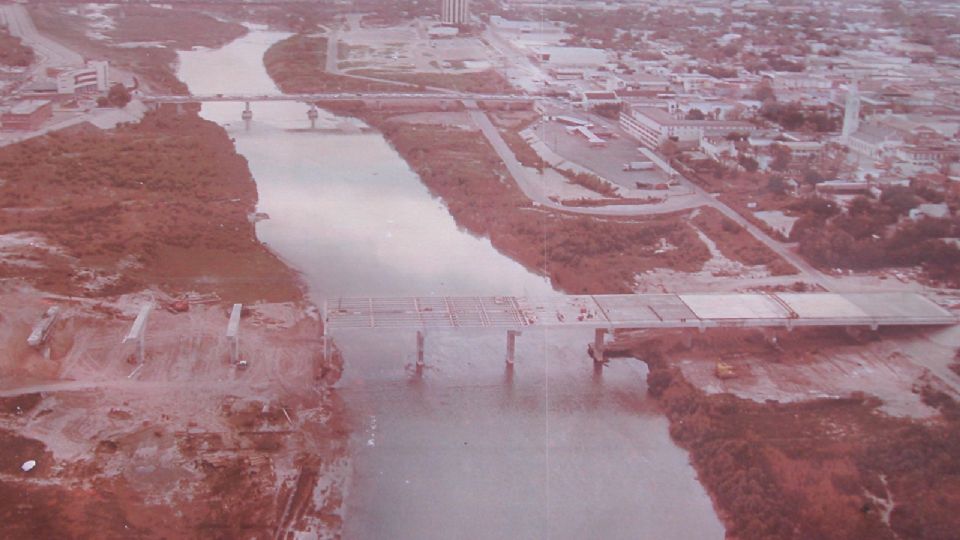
[(638, 166)]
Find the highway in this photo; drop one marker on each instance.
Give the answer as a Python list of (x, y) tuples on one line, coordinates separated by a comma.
[(51, 53)]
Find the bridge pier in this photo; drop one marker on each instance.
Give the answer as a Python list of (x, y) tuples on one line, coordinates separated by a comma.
[(420, 342), (597, 350), (512, 345), (247, 113)]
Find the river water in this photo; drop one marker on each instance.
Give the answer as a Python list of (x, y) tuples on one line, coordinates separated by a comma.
[(468, 449)]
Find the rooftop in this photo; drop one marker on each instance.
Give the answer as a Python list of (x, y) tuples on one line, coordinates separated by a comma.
[(28, 106)]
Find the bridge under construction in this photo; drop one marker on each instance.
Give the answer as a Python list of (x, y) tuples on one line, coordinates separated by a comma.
[(605, 313)]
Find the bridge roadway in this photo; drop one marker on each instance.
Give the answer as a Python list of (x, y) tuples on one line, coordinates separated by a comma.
[(604, 313), (699, 311), (340, 96)]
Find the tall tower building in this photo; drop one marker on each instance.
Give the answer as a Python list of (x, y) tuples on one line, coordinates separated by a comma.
[(851, 113), (455, 12)]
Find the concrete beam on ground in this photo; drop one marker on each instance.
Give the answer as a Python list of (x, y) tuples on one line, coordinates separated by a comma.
[(138, 331), (41, 330), (233, 333)]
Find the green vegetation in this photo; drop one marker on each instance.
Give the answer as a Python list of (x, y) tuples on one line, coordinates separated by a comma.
[(812, 469), (163, 202), (179, 28), (861, 238), (480, 82), (13, 52), (154, 66), (592, 182), (580, 254), (118, 97), (298, 65), (737, 244)]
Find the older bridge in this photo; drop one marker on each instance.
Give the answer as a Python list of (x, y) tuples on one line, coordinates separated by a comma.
[(377, 99), (605, 313), (338, 96)]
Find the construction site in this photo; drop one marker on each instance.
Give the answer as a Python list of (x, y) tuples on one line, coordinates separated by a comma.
[(397, 315)]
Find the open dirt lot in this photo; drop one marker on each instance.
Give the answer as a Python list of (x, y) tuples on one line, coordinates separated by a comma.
[(184, 445)]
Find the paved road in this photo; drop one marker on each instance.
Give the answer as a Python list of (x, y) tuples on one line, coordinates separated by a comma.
[(534, 190), (532, 185), (51, 53)]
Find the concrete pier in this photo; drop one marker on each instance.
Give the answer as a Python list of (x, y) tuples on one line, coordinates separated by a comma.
[(599, 355), (512, 345), (420, 343), (41, 331)]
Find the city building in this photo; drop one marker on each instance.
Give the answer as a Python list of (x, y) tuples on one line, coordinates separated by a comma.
[(455, 12), (27, 115), (93, 78), (653, 127)]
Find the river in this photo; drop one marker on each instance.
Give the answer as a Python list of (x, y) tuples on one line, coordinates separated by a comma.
[(469, 449)]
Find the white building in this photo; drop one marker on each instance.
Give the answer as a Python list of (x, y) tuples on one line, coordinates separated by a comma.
[(92, 78), (455, 12), (653, 127)]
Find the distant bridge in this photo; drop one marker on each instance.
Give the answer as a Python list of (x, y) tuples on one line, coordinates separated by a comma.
[(605, 313), (337, 96)]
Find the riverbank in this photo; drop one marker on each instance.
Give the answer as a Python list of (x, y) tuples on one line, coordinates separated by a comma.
[(163, 203), (186, 443), (300, 62), (816, 468), (580, 254), (139, 39)]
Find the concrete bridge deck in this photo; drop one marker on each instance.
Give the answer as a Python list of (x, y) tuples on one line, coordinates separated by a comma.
[(338, 96), (698, 311)]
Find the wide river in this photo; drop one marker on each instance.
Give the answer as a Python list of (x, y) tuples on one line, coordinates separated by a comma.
[(469, 449)]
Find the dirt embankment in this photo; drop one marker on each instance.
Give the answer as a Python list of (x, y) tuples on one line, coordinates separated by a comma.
[(163, 203), (826, 468), (739, 245), (185, 445), (580, 254), (138, 38), (298, 64)]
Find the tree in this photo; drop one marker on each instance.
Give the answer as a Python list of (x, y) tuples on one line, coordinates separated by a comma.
[(900, 199), (763, 91), (777, 185), (781, 157), (748, 163), (813, 177), (669, 148), (118, 97), (695, 114)]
